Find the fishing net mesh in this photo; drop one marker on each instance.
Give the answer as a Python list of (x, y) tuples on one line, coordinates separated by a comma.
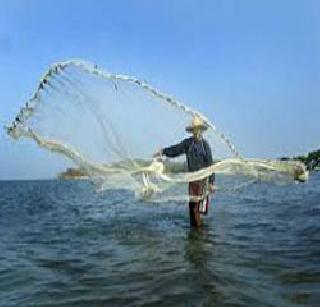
[(111, 125)]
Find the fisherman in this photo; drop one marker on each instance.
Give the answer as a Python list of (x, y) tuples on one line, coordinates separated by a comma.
[(198, 154)]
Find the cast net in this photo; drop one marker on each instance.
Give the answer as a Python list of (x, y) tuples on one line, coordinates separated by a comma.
[(110, 125)]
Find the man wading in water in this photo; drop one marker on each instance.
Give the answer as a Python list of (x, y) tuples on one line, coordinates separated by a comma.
[(198, 154)]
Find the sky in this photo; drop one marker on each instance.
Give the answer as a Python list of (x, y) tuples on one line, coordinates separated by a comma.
[(252, 67)]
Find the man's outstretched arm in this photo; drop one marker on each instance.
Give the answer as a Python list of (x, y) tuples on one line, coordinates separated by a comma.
[(173, 151)]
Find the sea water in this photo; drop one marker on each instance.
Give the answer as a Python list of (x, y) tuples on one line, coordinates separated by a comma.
[(62, 244)]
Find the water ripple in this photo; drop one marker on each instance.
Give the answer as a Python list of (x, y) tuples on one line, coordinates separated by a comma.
[(64, 245)]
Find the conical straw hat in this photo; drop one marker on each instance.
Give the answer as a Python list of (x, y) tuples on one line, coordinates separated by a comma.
[(197, 122)]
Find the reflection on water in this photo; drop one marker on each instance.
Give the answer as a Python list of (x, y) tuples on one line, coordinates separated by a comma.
[(195, 247), (198, 254), (63, 244)]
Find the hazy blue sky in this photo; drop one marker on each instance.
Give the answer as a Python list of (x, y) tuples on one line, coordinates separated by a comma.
[(253, 67)]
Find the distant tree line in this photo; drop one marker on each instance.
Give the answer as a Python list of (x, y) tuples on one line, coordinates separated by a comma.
[(72, 173), (311, 160)]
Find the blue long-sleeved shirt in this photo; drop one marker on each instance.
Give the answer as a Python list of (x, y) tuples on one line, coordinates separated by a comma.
[(198, 154)]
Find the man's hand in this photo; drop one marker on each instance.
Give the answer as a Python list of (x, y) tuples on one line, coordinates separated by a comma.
[(212, 188)]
